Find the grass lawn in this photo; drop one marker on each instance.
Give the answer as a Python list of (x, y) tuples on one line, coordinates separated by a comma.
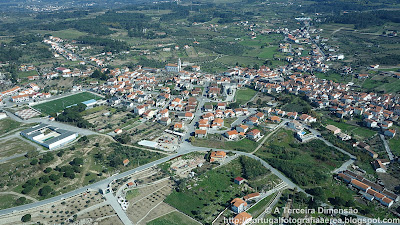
[(244, 95), (394, 145), (267, 53), (334, 77), (173, 218), (132, 193), (244, 145), (382, 83), (26, 74), (14, 146), (228, 121), (8, 201), (68, 34), (258, 208), (60, 104), (359, 132), (93, 110), (242, 60), (7, 125)]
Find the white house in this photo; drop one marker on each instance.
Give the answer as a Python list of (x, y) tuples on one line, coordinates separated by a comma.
[(238, 205)]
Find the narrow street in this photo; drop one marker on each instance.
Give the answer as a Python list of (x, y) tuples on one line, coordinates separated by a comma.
[(387, 148)]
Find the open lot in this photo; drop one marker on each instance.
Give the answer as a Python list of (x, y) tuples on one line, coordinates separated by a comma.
[(68, 34), (147, 203), (358, 132), (394, 144), (14, 146), (173, 218), (58, 105), (11, 200), (306, 164), (7, 125), (244, 95), (219, 142), (205, 195)]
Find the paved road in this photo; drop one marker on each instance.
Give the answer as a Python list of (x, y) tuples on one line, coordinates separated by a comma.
[(95, 186), (17, 135), (185, 148), (54, 123), (318, 134), (345, 165), (266, 138), (3, 160), (117, 208), (387, 148)]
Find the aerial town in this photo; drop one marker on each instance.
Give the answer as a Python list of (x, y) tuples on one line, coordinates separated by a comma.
[(192, 133)]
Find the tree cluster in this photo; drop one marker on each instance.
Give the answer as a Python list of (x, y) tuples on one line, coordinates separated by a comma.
[(73, 115)]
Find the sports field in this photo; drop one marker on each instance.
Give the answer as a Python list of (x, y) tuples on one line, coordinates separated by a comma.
[(59, 105)]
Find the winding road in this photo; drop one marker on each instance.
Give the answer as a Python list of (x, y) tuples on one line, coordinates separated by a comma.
[(183, 149)]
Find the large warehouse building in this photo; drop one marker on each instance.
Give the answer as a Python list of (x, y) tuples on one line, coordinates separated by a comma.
[(49, 136)]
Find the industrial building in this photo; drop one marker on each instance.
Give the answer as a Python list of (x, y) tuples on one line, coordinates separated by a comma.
[(49, 136)]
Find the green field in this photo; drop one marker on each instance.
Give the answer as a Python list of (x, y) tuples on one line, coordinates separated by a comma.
[(63, 34), (209, 193), (394, 145), (26, 74), (258, 208), (59, 105), (7, 125), (14, 146), (334, 77), (267, 53), (132, 193), (244, 145), (228, 121), (382, 83), (305, 164), (8, 201), (359, 132), (173, 218), (243, 96)]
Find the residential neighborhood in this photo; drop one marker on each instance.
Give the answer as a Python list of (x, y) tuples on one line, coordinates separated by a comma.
[(181, 112)]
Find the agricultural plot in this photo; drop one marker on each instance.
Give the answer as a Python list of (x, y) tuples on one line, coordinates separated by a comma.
[(60, 104)]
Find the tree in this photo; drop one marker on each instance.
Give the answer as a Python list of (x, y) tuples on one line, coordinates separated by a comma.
[(44, 179), (27, 189), (54, 177), (26, 218), (48, 170), (31, 154), (20, 201), (192, 139), (34, 162), (48, 157), (76, 162), (46, 190)]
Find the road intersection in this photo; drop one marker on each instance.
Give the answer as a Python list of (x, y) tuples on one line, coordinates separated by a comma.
[(185, 148)]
